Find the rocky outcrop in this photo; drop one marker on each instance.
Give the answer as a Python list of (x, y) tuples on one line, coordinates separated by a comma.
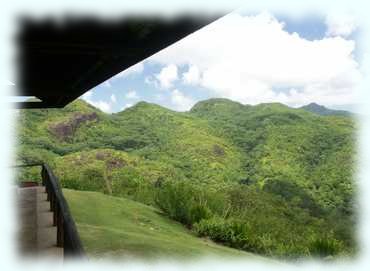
[(110, 161), (65, 130), (217, 150)]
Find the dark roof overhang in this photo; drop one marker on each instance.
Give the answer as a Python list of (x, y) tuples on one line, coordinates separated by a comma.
[(57, 64)]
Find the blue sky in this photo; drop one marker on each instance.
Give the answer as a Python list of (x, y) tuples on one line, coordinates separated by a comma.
[(249, 58)]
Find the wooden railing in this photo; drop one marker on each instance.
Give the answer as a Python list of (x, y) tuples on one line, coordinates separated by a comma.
[(67, 235)]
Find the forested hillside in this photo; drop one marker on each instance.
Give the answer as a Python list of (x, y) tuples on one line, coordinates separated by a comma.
[(322, 110), (267, 179)]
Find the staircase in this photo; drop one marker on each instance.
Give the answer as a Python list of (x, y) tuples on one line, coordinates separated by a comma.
[(46, 226), (37, 232)]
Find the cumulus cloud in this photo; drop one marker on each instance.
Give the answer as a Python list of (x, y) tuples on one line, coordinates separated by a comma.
[(132, 94), (87, 95), (102, 105), (340, 25), (126, 106), (107, 84), (251, 58), (181, 102), (113, 98), (135, 69), (192, 76), (167, 76)]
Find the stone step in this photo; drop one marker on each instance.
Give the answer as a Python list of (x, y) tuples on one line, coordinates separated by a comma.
[(43, 206), (46, 237), (45, 219), (54, 253), (27, 240), (41, 189), (42, 196), (37, 235)]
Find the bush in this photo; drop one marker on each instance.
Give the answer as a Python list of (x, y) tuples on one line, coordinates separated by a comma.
[(199, 212), (231, 232), (93, 179), (126, 182), (325, 246), (181, 201), (26, 174), (214, 228), (174, 200)]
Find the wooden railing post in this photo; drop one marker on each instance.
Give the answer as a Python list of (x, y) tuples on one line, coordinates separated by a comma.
[(54, 209), (60, 227)]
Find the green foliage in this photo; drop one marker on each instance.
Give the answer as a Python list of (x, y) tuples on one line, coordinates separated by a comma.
[(92, 179), (182, 202), (325, 246), (124, 229), (26, 174), (198, 212), (233, 233), (262, 178), (322, 110), (291, 192)]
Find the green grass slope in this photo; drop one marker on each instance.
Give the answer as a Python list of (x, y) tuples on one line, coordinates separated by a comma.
[(124, 229)]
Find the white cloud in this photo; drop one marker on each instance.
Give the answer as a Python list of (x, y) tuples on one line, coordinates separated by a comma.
[(181, 102), (87, 95), (159, 97), (102, 105), (256, 56), (137, 68), (107, 84), (126, 106), (340, 25), (113, 98), (192, 76), (132, 95), (167, 76), (150, 80)]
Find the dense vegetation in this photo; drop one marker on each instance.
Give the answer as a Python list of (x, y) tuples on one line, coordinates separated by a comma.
[(267, 179)]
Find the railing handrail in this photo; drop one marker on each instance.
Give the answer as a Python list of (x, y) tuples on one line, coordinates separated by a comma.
[(29, 165), (67, 234)]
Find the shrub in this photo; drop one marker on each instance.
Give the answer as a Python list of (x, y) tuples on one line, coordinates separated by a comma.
[(183, 202), (214, 228), (198, 212), (174, 200), (92, 179), (125, 182), (232, 232), (325, 246)]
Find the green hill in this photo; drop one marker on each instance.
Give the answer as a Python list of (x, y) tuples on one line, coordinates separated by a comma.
[(322, 110), (284, 146), (268, 179)]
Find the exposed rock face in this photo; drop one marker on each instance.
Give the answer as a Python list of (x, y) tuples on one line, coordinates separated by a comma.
[(110, 162), (65, 130), (217, 150), (115, 163)]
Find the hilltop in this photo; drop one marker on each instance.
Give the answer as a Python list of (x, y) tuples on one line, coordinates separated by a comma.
[(322, 110)]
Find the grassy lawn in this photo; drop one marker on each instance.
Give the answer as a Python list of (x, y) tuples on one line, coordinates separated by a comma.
[(118, 227)]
